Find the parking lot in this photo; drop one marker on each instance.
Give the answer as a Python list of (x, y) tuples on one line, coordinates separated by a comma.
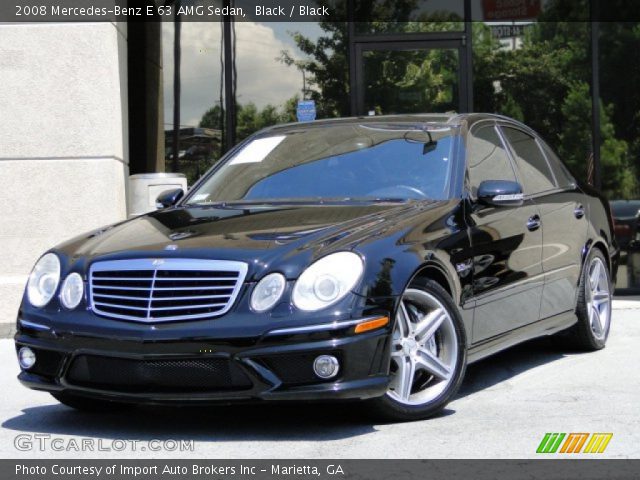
[(506, 405)]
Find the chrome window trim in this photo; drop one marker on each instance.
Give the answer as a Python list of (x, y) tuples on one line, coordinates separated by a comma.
[(156, 264)]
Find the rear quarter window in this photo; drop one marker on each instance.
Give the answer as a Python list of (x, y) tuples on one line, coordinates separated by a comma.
[(531, 162), (560, 171)]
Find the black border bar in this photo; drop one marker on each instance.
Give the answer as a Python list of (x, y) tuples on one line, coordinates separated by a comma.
[(303, 469), (502, 11)]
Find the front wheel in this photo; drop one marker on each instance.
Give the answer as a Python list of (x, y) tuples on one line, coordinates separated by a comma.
[(428, 355)]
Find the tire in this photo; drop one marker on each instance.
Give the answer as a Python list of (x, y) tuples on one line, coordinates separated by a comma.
[(435, 329), (87, 404), (586, 335)]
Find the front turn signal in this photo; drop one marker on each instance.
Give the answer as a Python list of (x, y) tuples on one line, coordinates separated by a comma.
[(371, 324)]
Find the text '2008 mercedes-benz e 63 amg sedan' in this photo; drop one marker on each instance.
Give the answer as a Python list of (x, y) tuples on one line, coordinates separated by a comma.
[(364, 258)]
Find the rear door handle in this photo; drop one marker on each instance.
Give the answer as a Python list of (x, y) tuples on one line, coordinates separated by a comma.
[(534, 223), (579, 212)]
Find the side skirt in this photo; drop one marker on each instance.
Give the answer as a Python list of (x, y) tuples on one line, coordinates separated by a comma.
[(542, 328)]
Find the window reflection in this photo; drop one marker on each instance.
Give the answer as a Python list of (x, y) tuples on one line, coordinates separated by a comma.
[(200, 128), (410, 81), (542, 80), (408, 16), (620, 152), (282, 63)]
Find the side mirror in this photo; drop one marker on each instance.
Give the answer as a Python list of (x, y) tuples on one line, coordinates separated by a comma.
[(169, 198), (500, 193)]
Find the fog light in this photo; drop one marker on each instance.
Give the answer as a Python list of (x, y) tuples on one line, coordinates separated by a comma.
[(26, 357), (326, 366)]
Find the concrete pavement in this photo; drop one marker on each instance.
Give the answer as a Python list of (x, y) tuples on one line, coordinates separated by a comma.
[(506, 405)]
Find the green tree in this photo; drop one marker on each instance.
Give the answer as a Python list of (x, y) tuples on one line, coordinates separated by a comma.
[(250, 118), (575, 144), (212, 118)]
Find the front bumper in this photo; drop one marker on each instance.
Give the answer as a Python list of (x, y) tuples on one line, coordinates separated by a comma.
[(188, 371)]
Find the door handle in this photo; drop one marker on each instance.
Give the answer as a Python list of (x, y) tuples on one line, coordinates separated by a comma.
[(534, 223), (579, 212)]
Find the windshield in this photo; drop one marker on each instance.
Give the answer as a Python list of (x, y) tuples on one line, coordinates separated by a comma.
[(347, 162)]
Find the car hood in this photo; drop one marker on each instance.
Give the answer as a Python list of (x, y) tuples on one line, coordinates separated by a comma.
[(286, 237)]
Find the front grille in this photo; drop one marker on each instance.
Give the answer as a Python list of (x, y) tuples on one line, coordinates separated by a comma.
[(168, 289), (157, 375)]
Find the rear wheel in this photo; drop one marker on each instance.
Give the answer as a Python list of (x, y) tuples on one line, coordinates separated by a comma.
[(87, 404), (594, 305), (428, 355)]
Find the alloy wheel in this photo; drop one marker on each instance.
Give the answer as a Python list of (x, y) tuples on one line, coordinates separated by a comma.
[(598, 295), (424, 352)]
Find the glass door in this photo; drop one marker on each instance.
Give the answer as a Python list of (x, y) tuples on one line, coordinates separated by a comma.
[(409, 77)]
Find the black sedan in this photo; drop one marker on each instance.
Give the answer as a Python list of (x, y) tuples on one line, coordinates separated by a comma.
[(366, 258)]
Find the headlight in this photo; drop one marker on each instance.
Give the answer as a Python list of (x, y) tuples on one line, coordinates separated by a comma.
[(43, 280), (267, 292), (327, 281), (72, 290)]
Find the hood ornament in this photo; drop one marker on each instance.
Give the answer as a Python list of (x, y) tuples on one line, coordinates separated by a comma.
[(157, 262)]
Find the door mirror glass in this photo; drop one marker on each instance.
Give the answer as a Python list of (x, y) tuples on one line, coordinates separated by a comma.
[(169, 198), (500, 193)]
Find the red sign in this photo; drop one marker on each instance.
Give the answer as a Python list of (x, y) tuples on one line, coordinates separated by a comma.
[(510, 10)]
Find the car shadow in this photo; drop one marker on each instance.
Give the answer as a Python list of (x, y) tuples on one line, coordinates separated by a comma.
[(264, 422), (509, 363)]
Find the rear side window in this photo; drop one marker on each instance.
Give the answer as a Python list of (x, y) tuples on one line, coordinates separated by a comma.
[(531, 162), (563, 177), (487, 158)]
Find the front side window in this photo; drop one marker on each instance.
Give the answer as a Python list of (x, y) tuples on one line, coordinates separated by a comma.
[(336, 162), (487, 158), (531, 162)]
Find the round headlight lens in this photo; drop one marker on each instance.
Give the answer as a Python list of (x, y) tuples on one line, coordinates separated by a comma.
[(43, 280), (267, 292), (72, 290), (327, 281)]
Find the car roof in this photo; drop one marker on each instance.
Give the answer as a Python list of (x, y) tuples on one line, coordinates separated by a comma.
[(418, 119)]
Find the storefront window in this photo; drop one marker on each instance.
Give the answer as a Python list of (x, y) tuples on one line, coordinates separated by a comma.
[(620, 148), (200, 126), (267, 88), (540, 76), (279, 64), (410, 80)]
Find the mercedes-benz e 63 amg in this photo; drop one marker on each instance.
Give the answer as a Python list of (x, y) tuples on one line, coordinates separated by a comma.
[(364, 258)]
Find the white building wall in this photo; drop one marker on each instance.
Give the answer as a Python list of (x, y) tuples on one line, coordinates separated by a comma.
[(63, 141)]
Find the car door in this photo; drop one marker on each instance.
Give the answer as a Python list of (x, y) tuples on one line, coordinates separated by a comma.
[(563, 216), (506, 243)]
